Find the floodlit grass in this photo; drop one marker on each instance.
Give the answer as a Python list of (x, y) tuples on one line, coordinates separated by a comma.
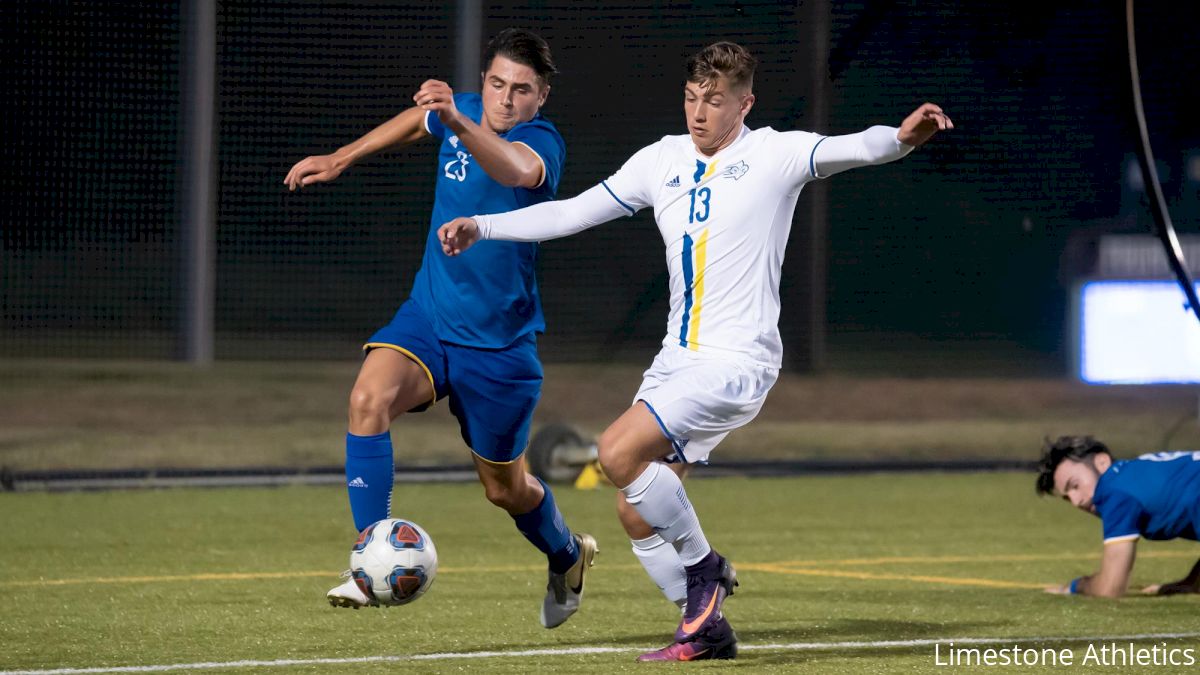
[(139, 578), (103, 414)]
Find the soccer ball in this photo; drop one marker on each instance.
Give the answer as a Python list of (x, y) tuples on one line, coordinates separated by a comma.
[(393, 561)]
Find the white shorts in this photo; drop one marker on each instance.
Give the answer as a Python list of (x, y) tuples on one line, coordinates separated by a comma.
[(698, 399)]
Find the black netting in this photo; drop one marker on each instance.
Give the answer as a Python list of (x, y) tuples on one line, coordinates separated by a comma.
[(316, 271), (962, 238), (88, 258)]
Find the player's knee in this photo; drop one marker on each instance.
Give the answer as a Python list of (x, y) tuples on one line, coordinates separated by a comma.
[(606, 450), (616, 457), (366, 403)]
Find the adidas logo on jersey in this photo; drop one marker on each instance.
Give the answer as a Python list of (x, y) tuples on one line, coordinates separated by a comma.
[(357, 482), (674, 182)]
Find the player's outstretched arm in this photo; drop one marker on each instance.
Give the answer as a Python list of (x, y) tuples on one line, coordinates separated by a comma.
[(878, 144), (403, 129), (1115, 567), (540, 222), (922, 124), (1188, 584), (509, 164)]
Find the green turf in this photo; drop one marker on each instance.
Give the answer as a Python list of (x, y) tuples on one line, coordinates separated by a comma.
[(181, 576), (78, 414)]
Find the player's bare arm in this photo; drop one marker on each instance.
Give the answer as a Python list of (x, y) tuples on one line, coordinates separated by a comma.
[(1110, 582), (510, 164), (1188, 584), (922, 124), (404, 129)]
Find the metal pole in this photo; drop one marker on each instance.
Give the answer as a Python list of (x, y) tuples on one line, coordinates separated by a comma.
[(804, 333), (1154, 193), (198, 186), (468, 37), (818, 213)]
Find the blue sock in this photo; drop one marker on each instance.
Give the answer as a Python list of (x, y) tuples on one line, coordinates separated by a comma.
[(545, 529), (369, 476)]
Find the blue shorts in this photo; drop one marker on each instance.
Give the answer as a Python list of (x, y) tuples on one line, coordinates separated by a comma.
[(492, 391)]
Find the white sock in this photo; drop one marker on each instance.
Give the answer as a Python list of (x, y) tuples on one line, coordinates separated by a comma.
[(660, 500), (663, 565)]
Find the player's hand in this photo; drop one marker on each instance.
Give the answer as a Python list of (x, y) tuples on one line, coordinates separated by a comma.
[(1058, 590), (922, 124), (437, 96), (316, 169), (1173, 588), (458, 235)]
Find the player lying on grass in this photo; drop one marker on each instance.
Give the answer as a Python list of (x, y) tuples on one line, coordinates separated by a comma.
[(469, 327), (1156, 496), (723, 197)]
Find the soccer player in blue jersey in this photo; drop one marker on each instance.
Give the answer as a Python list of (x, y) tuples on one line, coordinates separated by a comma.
[(1156, 496), (468, 330)]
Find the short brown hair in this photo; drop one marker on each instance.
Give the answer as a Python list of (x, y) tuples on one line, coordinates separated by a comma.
[(524, 47), (1075, 448), (722, 58)]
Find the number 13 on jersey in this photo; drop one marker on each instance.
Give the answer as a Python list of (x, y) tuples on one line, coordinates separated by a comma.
[(699, 214)]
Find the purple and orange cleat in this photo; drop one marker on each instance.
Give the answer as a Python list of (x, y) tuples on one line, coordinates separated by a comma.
[(709, 582), (718, 641)]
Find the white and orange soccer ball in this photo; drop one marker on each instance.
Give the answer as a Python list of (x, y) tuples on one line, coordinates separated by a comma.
[(393, 561)]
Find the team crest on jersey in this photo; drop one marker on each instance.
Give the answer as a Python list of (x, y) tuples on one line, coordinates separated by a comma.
[(457, 168), (453, 141), (736, 171), (674, 182)]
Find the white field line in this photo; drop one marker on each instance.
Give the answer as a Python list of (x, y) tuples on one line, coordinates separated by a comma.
[(578, 651)]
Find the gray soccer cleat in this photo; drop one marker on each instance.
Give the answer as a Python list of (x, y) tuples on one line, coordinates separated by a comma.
[(565, 591)]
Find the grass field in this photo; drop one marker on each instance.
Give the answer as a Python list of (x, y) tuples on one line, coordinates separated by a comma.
[(72, 414), (839, 574), (832, 569)]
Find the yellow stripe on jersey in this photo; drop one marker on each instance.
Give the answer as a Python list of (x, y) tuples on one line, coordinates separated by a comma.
[(698, 288), (712, 167)]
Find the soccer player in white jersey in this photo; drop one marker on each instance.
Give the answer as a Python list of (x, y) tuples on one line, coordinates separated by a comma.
[(723, 197)]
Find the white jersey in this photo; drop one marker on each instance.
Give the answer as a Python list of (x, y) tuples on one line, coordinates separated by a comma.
[(724, 220)]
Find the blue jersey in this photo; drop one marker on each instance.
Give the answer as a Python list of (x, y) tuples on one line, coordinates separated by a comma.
[(1154, 496), (487, 296)]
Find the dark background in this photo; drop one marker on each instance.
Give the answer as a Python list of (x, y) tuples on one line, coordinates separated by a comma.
[(972, 241)]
